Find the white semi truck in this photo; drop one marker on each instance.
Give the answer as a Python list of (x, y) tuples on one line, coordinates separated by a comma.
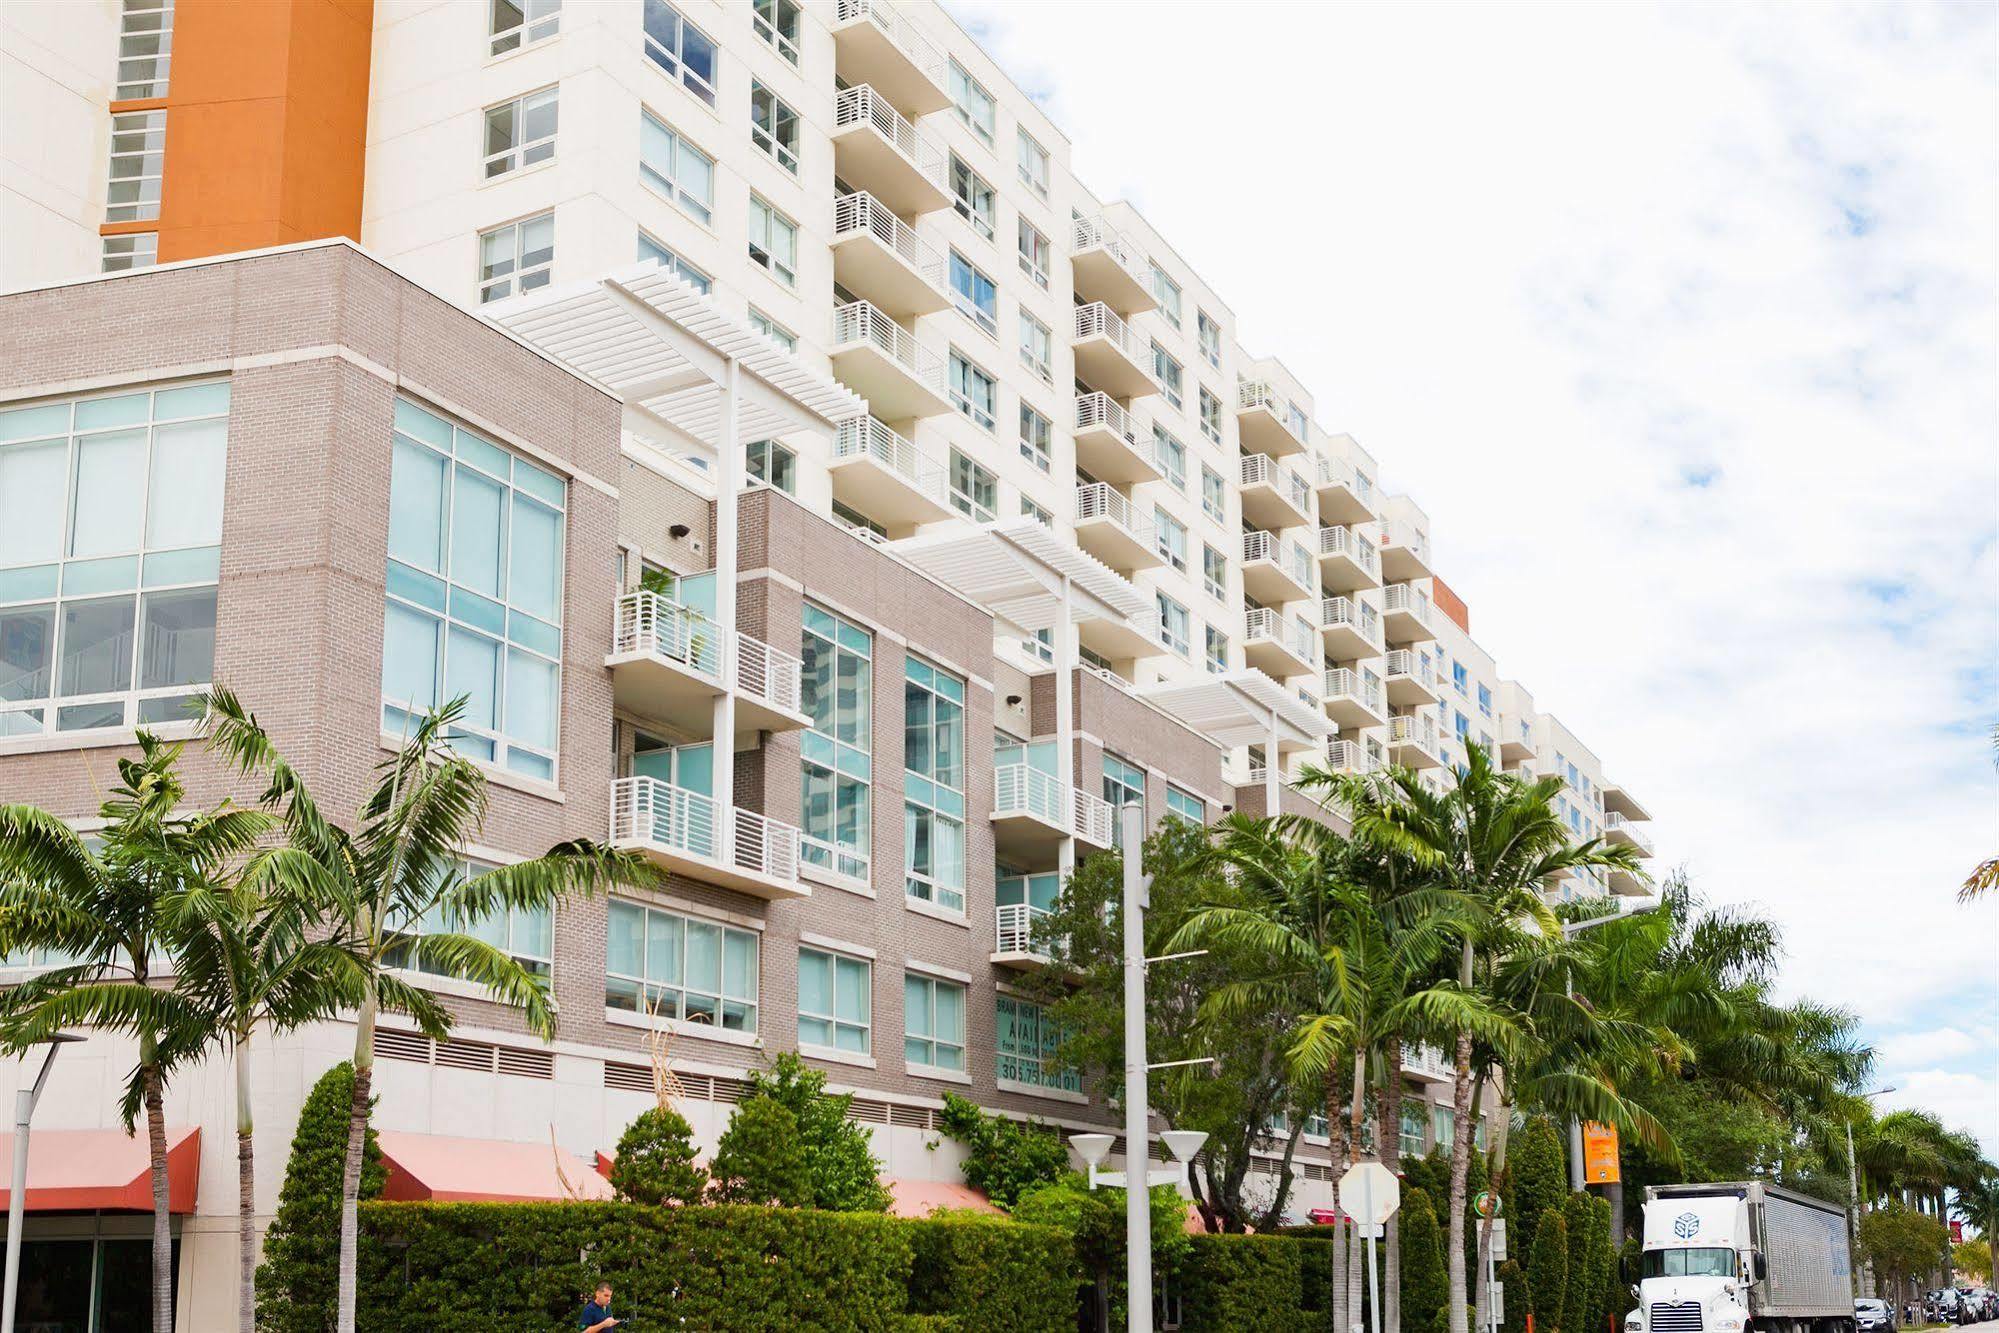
[(1743, 1256)]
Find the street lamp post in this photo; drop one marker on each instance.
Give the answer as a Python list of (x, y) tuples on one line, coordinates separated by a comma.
[(17, 1199), (1863, 1277), (1570, 931)]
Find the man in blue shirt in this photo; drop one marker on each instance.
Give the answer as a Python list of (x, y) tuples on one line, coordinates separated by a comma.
[(596, 1316)]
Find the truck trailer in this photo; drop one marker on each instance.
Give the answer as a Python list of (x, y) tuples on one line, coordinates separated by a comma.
[(1742, 1256)]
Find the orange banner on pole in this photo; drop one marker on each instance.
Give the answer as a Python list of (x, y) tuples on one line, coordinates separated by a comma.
[(1600, 1153)]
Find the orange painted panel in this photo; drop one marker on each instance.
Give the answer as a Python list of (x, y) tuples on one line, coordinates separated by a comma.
[(1450, 604), (1600, 1165)]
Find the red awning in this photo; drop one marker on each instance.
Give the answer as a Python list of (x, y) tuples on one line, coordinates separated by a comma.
[(454, 1170), (104, 1168), (910, 1197)]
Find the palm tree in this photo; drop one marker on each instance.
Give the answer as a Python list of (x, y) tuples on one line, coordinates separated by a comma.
[(1492, 840), (99, 905), (400, 865), (1984, 877)]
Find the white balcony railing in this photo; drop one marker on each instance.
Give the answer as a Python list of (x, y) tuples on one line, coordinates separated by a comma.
[(1426, 1062), (1339, 472), (1016, 927), (1097, 500), (1100, 411), (657, 814), (1097, 320), (1361, 685), (1362, 619), (1614, 822), (1404, 599), (1090, 817), (1419, 729), (1253, 394), (1261, 622), (864, 106), (1287, 556), (1096, 234), (865, 437), (862, 214), (1263, 470), (650, 624), (1022, 789), (1416, 666), (1349, 543), (1395, 532), (908, 38), (1352, 757), (859, 322), (768, 673)]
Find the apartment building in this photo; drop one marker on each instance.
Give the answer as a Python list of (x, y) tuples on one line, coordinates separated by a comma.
[(849, 455)]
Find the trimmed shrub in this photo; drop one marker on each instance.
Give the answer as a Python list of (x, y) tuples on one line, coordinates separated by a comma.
[(1579, 1306), (300, 1276), (655, 1162), (1513, 1282), (1426, 1288), (840, 1162), (760, 1158), (1537, 1164), (988, 1275), (1246, 1282), (1548, 1270)]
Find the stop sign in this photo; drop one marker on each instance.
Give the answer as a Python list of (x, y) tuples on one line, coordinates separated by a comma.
[(1370, 1193)]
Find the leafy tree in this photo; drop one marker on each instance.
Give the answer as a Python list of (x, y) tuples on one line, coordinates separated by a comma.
[(1548, 1270), (1539, 1178), (1973, 1259), (760, 1158), (655, 1162), (1096, 1218), (1585, 1267), (299, 1280), (1425, 1287), (839, 1155), (1004, 1158), (1901, 1242)]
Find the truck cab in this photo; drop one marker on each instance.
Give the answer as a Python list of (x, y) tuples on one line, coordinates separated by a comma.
[(1742, 1257), (1698, 1267)]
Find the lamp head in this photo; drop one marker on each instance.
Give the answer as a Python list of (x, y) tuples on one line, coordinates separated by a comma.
[(1183, 1143), (1092, 1148)]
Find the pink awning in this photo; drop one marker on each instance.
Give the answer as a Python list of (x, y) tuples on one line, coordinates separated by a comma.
[(455, 1170), (920, 1198), (104, 1168)]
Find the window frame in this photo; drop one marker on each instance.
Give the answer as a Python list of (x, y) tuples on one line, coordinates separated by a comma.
[(1035, 254), (1214, 495), (667, 180), (928, 793), (771, 219), (642, 984), (846, 761), (1169, 538), (1167, 293), (522, 153), (516, 280), (123, 251), (773, 30), (1171, 386), (983, 413), (1036, 446), (673, 63), (978, 477), (539, 21), (149, 157), (962, 85), (1040, 1070), (159, 62), (770, 138), (833, 1019), (1027, 148), (977, 203), (983, 315), (914, 1036), (1181, 645), (1039, 360)]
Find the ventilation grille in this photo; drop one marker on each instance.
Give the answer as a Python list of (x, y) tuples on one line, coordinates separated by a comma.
[(1677, 1318), (453, 1053)]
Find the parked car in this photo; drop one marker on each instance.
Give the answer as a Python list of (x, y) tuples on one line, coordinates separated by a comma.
[(1873, 1317)]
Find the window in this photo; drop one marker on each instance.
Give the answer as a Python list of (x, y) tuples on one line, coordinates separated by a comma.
[(776, 23), (145, 49), (933, 1022), (1034, 254), (1214, 573), (133, 249), (1167, 292), (1294, 417), (516, 258), (974, 103), (1186, 805), (773, 241), (1214, 495), (974, 491), (773, 330), (1217, 652), (834, 1001), (1170, 537), (680, 967), (1411, 1136), (1037, 348), (1485, 700), (1172, 456), (1124, 784), (1167, 371), (973, 391), (474, 592), (1036, 512), (1027, 1041), (520, 133), (519, 23), (686, 272), (138, 152), (1033, 160), (525, 934), (1460, 677), (1174, 628), (1210, 335), (972, 197), (836, 688), (856, 521), (1211, 415), (933, 785), (684, 51), (773, 464), (773, 126), (1442, 1119), (110, 543), (1035, 434), (676, 168), (974, 294)]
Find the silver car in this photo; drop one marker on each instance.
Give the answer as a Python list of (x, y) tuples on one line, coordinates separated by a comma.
[(1873, 1317)]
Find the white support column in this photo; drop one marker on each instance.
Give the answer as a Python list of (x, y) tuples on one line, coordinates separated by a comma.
[(1065, 726), (1270, 783), (728, 487), (1137, 1140)]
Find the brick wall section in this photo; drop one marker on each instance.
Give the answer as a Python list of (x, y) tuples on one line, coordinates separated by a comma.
[(1106, 717), (1249, 800), (649, 505)]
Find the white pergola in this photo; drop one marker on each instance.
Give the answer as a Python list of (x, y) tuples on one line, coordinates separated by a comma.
[(1246, 708)]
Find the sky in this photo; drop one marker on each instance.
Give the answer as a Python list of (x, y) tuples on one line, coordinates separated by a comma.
[(1682, 324)]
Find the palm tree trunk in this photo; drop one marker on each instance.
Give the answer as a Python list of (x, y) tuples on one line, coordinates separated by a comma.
[(1336, 1135), (1389, 1136), (246, 1193), (350, 1175), (1496, 1169), (1454, 1244), (1357, 1249), (156, 1151)]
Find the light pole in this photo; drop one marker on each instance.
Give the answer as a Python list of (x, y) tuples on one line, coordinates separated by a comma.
[(17, 1198), (1862, 1279), (1569, 931)]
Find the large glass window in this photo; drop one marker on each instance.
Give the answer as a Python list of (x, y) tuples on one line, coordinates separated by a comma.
[(1214, 573), (525, 934), (1167, 371), (933, 785), (1170, 536), (520, 133), (138, 156), (1443, 1121), (474, 592), (1211, 416), (1033, 163), (1037, 348), (1214, 495), (676, 168), (1209, 335), (1175, 629), (835, 1001), (1186, 805), (773, 241), (974, 490), (128, 250), (776, 22), (933, 1022), (1034, 254), (972, 196), (684, 51), (1027, 1040), (975, 105), (1410, 1139), (1171, 455), (89, 1285), (837, 683), (518, 23), (110, 545), (773, 464), (973, 391), (145, 49), (518, 257), (1217, 652), (1035, 436), (1167, 292), (680, 967), (773, 126), (975, 295), (1124, 784)]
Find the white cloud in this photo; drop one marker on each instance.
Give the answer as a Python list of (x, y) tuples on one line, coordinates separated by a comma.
[(1963, 1099), (1681, 324), (1910, 1050)]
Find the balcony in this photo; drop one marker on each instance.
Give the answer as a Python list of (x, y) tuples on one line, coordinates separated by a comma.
[(1106, 529), (691, 834), (884, 363), (1032, 813), (1427, 1063), (1624, 832), (1263, 420), (1017, 947), (1517, 747), (1345, 495), (1274, 570), (1412, 741), (1348, 561), (877, 44), (876, 151), (1274, 496), (1354, 698), (877, 254), (1278, 646), (670, 663), (1406, 614), (1351, 629), (1405, 552), (1111, 444), (1109, 268), (1355, 756), (1109, 355), (878, 472), (1411, 680)]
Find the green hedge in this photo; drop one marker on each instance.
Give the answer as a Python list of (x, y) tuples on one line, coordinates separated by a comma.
[(1272, 1284), (518, 1267)]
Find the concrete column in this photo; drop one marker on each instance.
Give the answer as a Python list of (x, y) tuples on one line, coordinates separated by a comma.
[(728, 488)]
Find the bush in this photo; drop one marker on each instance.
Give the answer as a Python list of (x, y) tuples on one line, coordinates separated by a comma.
[(1548, 1270), (760, 1159), (1426, 1289), (655, 1162), (1537, 1165), (300, 1276), (1513, 1279), (1095, 1220), (844, 1173), (1003, 1157), (988, 1275), (1579, 1305), (1248, 1282)]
